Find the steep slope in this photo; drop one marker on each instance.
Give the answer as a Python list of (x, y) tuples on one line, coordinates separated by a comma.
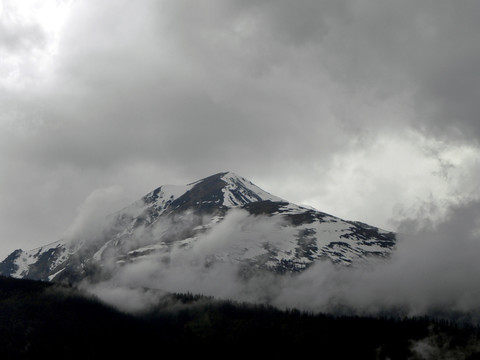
[(221, 218)]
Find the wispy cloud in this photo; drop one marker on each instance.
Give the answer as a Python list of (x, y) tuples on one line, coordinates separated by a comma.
[(432, 271)]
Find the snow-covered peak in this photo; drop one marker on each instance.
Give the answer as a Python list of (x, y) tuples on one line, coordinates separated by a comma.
[(160, 221), (226, 189), (172, 192), (240, 191), (166, 194)]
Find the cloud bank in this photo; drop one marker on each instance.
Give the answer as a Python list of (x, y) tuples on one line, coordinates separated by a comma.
[(336, 104), (433, 271)]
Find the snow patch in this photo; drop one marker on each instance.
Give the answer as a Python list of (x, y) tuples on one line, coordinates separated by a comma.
[(51, 277)]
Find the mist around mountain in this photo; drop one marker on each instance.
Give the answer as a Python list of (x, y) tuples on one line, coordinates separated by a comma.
[(223, 237), (224, 217), (40, 319)]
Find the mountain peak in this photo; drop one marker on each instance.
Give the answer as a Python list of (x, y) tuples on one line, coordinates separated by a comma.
[(239, 191), (225, 189), (228, 189), (221, 176), (280, 236)]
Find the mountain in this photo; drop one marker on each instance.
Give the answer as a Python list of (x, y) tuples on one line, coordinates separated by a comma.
[(221, 218)]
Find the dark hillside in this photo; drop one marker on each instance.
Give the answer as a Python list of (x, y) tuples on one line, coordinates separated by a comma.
[(43, 319), (40, 319)]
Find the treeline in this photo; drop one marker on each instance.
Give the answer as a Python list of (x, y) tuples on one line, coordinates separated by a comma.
[(45, 320)]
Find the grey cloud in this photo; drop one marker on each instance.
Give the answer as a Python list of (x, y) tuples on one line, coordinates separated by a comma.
[(195, 268), (431, 48), (428, 48), (211, 96), (433, 271), (268, 88)]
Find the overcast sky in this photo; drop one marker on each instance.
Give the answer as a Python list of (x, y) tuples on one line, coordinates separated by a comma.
[(365, 109)]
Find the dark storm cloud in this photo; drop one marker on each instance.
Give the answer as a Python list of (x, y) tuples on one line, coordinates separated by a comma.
[(430, 48), (238, 72), (171, 91)]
